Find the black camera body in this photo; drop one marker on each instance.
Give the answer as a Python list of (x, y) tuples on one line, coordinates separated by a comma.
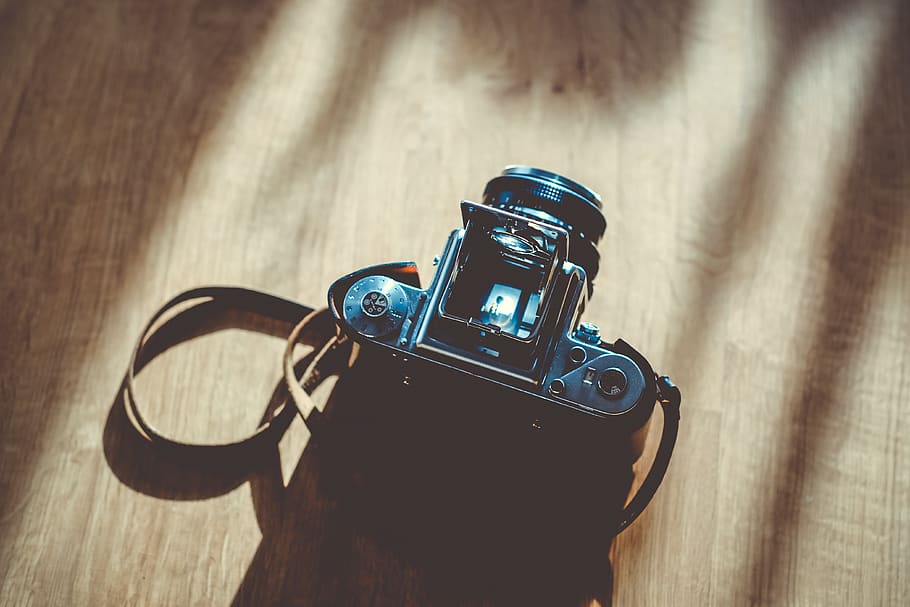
[(481, 410), (500, 322)]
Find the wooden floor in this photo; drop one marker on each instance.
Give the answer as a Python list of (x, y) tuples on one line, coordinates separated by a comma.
[(754, 160)]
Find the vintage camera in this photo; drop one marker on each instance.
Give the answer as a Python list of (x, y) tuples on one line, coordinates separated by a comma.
[(494, 352)]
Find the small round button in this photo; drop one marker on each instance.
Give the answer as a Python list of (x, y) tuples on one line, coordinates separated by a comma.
[(612, 383), (578, 355), (557, 386)]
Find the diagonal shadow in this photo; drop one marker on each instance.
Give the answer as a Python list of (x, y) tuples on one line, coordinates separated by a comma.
[(735, 219), (868, 230), (113, 100), (614, 51), (104, 107), (864, 237)]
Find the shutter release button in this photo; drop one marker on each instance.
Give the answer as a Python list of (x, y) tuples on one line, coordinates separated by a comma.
[(612, 383)]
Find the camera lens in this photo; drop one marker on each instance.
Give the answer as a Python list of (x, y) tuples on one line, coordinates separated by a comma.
[(551, 198)]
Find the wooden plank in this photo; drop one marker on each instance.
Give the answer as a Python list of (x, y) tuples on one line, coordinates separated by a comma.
[(753, 160)]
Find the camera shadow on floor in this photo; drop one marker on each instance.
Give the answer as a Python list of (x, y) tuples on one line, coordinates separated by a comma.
[(384, 508)]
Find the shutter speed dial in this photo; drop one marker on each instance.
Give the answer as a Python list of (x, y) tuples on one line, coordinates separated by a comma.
[(375, 306)]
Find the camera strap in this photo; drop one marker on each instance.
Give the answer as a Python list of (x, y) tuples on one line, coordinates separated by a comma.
[(209, 309), (669, 398)]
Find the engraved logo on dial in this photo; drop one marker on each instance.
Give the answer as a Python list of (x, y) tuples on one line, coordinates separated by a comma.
[(374, 304)]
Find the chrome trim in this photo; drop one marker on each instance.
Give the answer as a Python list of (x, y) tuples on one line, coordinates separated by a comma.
[(451, 355)]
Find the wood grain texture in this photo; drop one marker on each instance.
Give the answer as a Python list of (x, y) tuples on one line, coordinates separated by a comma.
[(753, 158)]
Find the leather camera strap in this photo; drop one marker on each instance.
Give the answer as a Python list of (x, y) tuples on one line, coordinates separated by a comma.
[(669, 397), (189, 315)]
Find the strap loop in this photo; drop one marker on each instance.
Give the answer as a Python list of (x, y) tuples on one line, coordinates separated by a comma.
[(196, 320), (333, 357), (669, 397)]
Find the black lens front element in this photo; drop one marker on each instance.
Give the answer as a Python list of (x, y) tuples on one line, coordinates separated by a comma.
[(551, 198)]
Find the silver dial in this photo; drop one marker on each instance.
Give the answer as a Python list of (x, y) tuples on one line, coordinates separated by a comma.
[(375, 306)]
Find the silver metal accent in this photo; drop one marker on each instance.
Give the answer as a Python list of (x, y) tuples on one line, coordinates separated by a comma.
[(375, 306), (447, 354), (581, 385), (578, 355), (453, 245), (560, 252), (588, 332)]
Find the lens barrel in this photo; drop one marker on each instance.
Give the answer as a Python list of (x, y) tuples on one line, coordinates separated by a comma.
[(551, 198)]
